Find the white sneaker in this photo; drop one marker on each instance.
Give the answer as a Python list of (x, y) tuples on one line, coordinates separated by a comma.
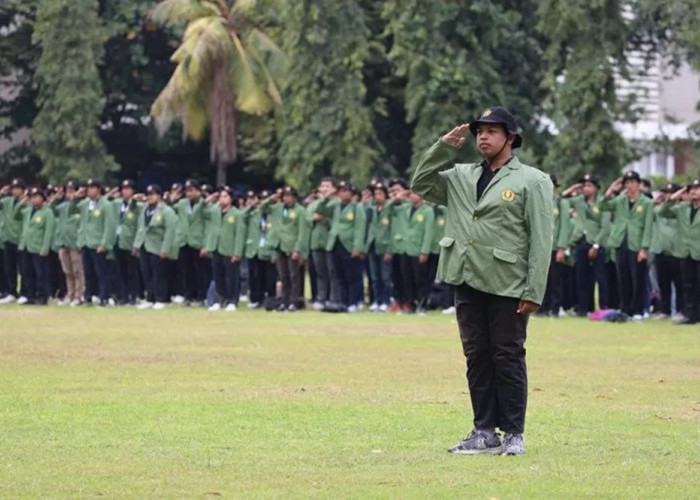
[(562, 313), (449, 310), (22, 300), (215, 307), (352, 309), (64, 302), (637, 317), (111, 303), (230, 308), (383, 308), (158, 306), (178, 299), (244, 298), (318, 306), (360, 306), (253, 305), (374, 307), (95, 299), (75, 303), (8, 300), (144, 305)]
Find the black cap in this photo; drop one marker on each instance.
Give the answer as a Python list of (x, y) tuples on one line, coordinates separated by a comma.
[(176, 186), (192, 183), (94, 183), (264, 193), (226, 189), (128, 183), (207, 188), (670, 187), (381, 187), (346, 185), (502, 116), (590, 178), (153, 189), (72, 184), (35, 191), (289, 190), (400, 181), (251, 194), (554, 179), (694, 184), (631, 176), (646, 182), (17, 182)]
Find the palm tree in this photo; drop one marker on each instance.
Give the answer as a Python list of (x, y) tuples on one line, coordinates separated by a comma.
[(225, 65)]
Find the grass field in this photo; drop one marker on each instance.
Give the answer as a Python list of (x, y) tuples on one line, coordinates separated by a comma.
[(111, 402)]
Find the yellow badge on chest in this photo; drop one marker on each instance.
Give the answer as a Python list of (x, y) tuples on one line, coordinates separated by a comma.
[(507, 195), (76, 216), (385, 221), (96, 213), (350, 216), (640, 208), (159, 218), (292, 215), (556, 211), (38, 219), (231, 220), (268, 225), (420, 217), (441, 222), (596, 210), (129, 216)]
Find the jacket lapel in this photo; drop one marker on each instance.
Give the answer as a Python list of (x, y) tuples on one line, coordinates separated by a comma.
[(504, 172)]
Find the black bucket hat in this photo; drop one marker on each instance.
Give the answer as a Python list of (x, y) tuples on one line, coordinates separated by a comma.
[(590, 178), (500, 116)]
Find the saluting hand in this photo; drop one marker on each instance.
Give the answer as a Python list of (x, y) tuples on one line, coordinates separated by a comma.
[(614, 187), (678, 194), (457, 136)]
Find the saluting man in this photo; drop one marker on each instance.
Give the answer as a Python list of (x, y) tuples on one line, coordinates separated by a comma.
[(38, 239), (128, 211), (496, 251)]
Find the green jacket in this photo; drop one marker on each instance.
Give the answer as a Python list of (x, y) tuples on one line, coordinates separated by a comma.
[(289, 228), (319, 229), (687, 231), (256, 245), (12, 219), (634, 222), (159, 234), (500, 244), (590, 223), (128, 222), (227, 234), (561, 223), (348, 226), (439, 233), (192, 221), (26, 213), (68, 215), (419, 237), (98, 226), (40, 230), (379, 231), (664, 238), (399, 213)]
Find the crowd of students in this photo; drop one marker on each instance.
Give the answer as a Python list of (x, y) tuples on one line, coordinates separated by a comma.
[(86, 244)]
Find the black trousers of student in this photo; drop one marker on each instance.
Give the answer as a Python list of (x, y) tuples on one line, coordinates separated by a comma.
[(263, 279), (323, 276), (344, 272), (128, 276), (400, 292), (312, 280), (668, 274), (632, 277), (26, 266), (4, 286), (40, 273), (415, 278), (553, 296), (227, 279), (691, 288), (196, 274), (155, 273), (588, 273), (57, 280), (289, 272), (493, 340), (11, 265), (96, 274)]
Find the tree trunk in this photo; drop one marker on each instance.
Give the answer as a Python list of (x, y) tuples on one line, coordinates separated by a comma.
[(223, 147), (221, 173)]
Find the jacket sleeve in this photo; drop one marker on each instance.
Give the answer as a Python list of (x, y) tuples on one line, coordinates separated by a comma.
[(211, 231), (109, 235), (605, 225), (360, 229), (565, 224), (667, 210), (429, 232), (303, 234), (608, 204), (48, 231), (241, 234), (171, 221), (538, 217), (428, 179), (648, 227)]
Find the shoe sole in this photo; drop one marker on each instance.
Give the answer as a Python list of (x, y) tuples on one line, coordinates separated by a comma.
[(487, 451)]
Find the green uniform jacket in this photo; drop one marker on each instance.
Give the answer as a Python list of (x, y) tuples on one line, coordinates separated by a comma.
[(68, 214), (228, 232), (289, 228), (98, 227), (12, 219), (561, 223), (256, 245), (192, 220), (40, 230), (590, 222), (635, 222), (500, 244), (379, 231), (400, 219), (439, 233), (159, 235), (349, 226), (419, 237), (664, 239), (687, 231), (320, 228), (128, 222), (26, 214)]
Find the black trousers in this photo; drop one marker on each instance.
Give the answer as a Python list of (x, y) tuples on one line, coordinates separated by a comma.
[(155, 273), (57, 279), (96, 274), (691, 288), (313, 281), (28, 273), (128, 276), (289, 272), (41, 276), (323, 276), (227, 279), (632, 276), (11, 265), (668, 274), (588, 272), (554, 294), (400, 292), (344, 273), (415, 278), (196, 273), (263, 280), (493, 340)]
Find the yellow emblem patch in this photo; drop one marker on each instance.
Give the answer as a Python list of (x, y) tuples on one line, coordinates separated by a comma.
[(556, 211), (385, 221), (420, 218), (507, 195), (640, 208), (38, 219), (487, 112), (292, 215), (268, 225), (96, 213), (350, 216), (159, 218), (441, 222), (231, 220), (596, 210), (76, 216), (129, 215)]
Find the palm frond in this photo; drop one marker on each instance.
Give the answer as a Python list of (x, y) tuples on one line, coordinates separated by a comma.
[(251, 96), (181, 11), (243, 6)]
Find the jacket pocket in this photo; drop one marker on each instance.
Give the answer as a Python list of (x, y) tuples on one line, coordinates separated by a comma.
[(446, 242), (511, 258)]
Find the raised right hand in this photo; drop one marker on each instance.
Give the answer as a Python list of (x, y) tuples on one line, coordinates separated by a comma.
[(457, 136)]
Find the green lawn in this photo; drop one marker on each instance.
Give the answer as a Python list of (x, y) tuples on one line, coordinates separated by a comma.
[(119, 403)]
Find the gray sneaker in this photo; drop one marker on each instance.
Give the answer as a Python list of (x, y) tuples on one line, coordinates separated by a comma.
[(513, 444), (478, 442)]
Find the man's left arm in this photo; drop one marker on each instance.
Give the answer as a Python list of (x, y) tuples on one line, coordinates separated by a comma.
[(538, 218), (648, 228)]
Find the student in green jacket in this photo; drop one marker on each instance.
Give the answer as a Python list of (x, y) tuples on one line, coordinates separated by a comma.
[(417, 244), (320, 220), (225, 243), (155, 246), (687, 215), (68, 216), (630, 238), (496, 250), (128, 210), (12, 201), (262, 272), (399, 208), (377, 249), (290, 239), (38, 239)]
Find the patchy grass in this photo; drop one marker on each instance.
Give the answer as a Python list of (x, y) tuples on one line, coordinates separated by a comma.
[(188, 403)]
